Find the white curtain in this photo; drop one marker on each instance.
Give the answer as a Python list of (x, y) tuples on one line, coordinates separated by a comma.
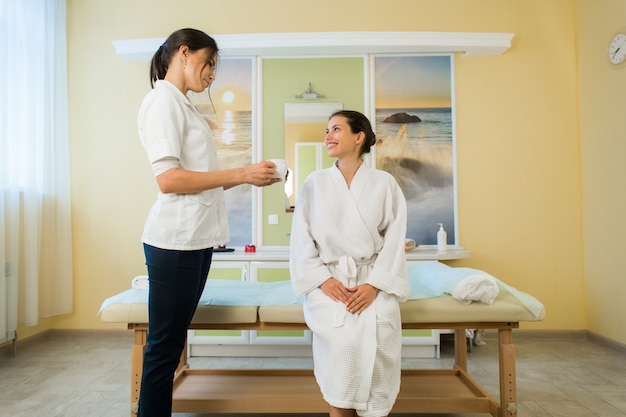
[(35, 221)]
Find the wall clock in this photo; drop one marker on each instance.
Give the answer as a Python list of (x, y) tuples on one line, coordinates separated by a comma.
[(617, 48)]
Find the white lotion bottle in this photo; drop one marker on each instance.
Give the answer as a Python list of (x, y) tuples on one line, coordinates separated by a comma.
[(442, 239)]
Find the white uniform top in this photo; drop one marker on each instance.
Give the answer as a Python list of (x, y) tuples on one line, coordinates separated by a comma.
[(171, 127)]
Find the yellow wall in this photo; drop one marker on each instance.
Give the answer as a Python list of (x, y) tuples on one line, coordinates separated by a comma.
[(519, 159), (602, 118)]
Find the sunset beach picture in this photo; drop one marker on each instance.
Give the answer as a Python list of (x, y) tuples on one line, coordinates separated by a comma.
[(227, 105)]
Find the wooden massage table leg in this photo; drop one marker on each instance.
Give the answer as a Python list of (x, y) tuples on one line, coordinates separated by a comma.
[(136, 365), (460, 349), (508, 389)]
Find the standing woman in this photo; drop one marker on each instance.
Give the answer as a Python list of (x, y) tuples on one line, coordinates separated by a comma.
[(189, 217), (347, 258)]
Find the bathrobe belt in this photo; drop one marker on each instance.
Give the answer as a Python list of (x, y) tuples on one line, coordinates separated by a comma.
[(347, 266)]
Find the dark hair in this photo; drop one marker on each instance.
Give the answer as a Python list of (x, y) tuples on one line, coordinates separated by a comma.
[(358, 123), (193, 38)]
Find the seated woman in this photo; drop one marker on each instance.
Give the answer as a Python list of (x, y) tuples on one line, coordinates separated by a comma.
[(347, 258)]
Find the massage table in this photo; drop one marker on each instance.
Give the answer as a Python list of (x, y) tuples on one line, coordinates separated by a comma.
[(295, 391)]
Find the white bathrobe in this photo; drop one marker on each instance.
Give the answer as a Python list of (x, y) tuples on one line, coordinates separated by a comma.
[(355, 235)]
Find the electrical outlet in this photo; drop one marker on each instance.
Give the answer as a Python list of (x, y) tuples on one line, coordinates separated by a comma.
[(7, 269), (272, 219)]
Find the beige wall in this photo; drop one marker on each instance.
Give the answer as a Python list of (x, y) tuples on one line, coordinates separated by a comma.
[(519, 160)]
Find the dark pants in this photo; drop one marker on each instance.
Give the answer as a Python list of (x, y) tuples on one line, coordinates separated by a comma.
[(177, 279)]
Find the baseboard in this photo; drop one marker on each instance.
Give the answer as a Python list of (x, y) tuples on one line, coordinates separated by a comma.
[(124, 333), (605, 341), (580, 335), (6, 350), (9, 348), (574, 335), (521, 334)]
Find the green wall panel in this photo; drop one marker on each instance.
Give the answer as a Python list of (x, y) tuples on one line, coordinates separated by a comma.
[(338, 79)]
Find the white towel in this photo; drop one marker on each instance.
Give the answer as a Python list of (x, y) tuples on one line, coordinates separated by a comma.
[(140, 282), (477, 287)]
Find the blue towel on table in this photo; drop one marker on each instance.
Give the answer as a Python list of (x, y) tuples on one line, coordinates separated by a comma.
[(248, 293), (224, 292)]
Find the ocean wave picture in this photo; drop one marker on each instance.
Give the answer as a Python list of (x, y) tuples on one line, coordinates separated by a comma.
[(415, 139)]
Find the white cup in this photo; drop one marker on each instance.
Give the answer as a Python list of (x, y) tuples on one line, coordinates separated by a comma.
[(281, 167)]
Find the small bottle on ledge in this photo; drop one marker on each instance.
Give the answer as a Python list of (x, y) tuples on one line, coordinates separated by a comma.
[(442, 239)]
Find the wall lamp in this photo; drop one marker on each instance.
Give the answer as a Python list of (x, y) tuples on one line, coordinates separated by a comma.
[(309, 94)]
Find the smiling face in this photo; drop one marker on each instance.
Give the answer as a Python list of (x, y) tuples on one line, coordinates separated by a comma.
[(200, 69), (340, 141)]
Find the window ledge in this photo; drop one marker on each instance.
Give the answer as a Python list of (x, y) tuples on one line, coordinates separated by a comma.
[(334, 43)]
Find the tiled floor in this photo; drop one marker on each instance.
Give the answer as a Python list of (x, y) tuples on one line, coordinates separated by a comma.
[(86, 374)]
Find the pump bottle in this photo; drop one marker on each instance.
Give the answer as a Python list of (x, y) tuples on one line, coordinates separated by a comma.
[(442, 239)]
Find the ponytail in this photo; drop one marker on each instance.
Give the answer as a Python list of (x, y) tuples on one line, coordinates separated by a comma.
[(193, 38)]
